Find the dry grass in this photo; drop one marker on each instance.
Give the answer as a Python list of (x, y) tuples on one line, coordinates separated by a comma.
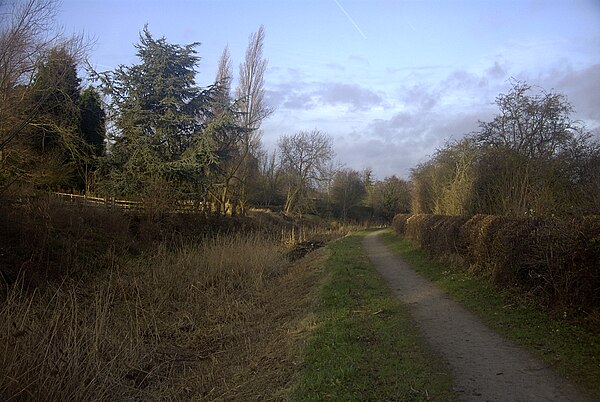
[(554, 259), (212, 321)]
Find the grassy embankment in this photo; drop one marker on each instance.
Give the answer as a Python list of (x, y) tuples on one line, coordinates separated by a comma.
[(109, 309), (364, 346), (98, 305), (571, 349)]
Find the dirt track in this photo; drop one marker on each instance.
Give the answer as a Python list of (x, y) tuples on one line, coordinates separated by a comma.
[(485, 366)]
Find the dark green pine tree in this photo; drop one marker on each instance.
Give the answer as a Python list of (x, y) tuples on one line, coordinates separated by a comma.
[(55, 93), (160, 117), (55, 143), (93, 120)]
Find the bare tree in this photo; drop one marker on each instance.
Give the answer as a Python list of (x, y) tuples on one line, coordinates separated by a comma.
[(305, 158), (250, 96), (250, 91), (224, 77), (348, 190), (533, 125)]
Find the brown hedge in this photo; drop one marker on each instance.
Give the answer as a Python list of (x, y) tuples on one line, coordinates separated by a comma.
[(399, 222), (556, 258)]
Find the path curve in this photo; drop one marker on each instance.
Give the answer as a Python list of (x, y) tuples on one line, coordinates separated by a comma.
[(485, 366)]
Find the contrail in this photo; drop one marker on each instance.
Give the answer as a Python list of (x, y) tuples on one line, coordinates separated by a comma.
[(350, 18)]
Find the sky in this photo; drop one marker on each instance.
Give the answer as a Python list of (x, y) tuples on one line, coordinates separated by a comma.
[(389, 81)]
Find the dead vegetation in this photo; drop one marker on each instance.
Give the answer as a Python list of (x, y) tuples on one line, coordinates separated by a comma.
[(212, 319), (553, 259)]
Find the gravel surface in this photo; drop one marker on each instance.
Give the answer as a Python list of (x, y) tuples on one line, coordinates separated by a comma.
[(485, 366)]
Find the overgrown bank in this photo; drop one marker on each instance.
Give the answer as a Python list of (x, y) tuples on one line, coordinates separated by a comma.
[(210, 321), (100, 304)]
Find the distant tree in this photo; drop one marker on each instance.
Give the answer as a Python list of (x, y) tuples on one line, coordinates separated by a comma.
[(348, 190), (268, 190), (390, 197), (304, 158)]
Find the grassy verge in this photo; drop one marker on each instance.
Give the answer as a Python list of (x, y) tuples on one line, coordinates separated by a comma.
[(364, 346), (570, 349)]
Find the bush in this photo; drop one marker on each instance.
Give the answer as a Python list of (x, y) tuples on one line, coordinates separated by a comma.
[(558, 259), (399, 223), (43, 239)]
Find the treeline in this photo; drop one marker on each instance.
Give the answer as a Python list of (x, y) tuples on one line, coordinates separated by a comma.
[(532, 159), (148, 132)]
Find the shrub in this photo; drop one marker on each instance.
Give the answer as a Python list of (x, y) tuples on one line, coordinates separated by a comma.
[(557, 259), (444, 237), (399, 223)]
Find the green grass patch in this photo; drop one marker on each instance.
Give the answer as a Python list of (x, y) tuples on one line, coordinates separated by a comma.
[(365, 347), (571, 349)]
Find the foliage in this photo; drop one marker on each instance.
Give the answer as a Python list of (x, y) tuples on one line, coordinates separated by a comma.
[(163, 130), (50, 151), (38, 91), (531, 159), (93, 120)]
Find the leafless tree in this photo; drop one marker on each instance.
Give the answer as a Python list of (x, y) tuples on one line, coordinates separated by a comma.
[(305, 158), (537, 125), (250, 96), (348, 190), (224, 77), (250, 91)]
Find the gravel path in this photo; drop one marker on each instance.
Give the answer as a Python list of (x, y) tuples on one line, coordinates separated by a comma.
[(485, 366)]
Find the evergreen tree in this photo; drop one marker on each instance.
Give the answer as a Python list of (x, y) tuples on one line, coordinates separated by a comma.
[(56, 94), (93, 120), (162, 120), (53, 147)]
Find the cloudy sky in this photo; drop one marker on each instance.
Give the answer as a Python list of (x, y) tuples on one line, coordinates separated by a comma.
[(389, 81)]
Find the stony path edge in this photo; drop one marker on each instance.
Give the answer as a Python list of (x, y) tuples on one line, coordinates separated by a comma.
[(485, 366)]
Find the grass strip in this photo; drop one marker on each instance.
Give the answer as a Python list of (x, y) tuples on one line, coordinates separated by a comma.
[(365, 346), (570, 349)]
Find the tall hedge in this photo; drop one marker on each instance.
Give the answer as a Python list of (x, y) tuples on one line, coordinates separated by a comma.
[(557, 258)]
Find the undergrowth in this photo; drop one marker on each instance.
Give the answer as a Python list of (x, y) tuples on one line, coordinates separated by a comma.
[(141, 312)]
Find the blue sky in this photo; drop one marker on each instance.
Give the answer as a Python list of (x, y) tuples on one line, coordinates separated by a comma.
[(389, 81)]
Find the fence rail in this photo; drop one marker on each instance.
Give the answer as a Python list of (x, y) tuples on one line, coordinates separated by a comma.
[(112, 202)]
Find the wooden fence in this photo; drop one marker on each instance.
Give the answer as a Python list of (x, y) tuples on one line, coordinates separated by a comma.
[(112, 202)]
